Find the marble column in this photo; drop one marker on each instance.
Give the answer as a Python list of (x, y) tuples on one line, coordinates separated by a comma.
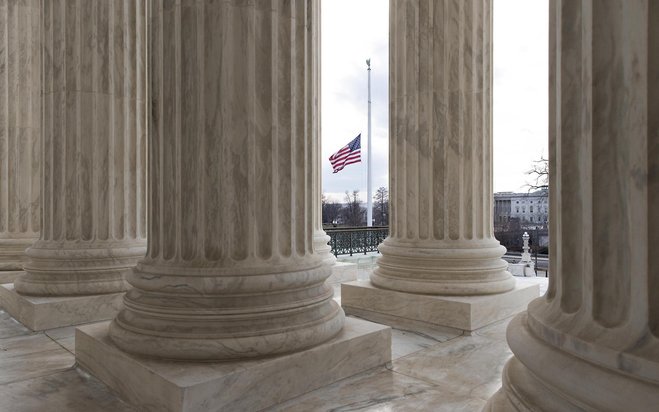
[(230, 270), (94, 149), (440, 266), (441, 238), (20, 123), (592, 342), (320, 238)]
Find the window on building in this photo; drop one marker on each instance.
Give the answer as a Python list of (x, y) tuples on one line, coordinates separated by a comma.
[(531, 209), (531, 218), (517, 209)]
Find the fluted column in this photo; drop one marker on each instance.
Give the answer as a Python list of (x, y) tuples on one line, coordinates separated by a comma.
[(592, 342), (94, 148), (320, 238), (441, 238), (20, 122), (230, 270)]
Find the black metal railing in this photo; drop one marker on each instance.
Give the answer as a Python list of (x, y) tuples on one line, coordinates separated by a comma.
[(353, 240)]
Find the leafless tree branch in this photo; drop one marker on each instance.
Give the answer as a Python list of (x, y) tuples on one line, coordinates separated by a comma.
[(540, 173)]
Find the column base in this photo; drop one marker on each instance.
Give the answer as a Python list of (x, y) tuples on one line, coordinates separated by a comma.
[(41, 313), (343, 272), (467, 313), (8, 276), (158, 385), (541, 377)]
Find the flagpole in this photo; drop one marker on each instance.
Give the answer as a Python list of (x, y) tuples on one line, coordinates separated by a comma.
[(369, 203)]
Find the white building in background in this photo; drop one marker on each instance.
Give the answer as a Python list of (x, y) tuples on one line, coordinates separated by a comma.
[(530, 208)]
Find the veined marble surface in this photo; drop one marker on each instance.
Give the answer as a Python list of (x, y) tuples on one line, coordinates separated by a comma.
[(428, 373), (600, 316), (365, 299), (20, 128), (8, 276), (441, 234), (37, 371), (342, 272), (46, 312), (231, 131), (93, 165)]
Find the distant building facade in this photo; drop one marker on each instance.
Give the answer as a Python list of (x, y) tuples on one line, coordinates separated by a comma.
[(530, 209)]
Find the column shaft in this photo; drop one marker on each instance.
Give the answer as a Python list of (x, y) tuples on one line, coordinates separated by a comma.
[(320, 238), (600, 313), (20, 123), (230, 270), (94, 148), (441, 237)]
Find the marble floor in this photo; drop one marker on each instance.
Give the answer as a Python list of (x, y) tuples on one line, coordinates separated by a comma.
[(430, 371)]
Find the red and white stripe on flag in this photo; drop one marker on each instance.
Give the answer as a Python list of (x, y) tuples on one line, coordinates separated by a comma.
[(349, 154)]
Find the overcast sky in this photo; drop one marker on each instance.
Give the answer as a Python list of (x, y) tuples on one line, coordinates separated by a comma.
[(354, 30)]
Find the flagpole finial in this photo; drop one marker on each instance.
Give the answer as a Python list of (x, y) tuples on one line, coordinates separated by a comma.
[(368, 63)]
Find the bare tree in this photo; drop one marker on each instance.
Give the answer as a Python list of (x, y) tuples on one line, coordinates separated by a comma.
[(540, 173), (331, 210), (381, 207), (353, 212)]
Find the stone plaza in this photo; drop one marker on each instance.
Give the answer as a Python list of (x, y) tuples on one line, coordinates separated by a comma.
[(161, 245)]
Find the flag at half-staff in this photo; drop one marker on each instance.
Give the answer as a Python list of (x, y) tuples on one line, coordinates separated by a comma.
[(349, 154)]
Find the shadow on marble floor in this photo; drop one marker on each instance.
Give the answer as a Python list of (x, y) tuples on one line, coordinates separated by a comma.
[(433, 371)]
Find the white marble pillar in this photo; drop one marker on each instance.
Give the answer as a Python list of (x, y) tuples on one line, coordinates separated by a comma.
[(320, 238), (94, 149), (441, 238), (592, 342), (230, 270), (20, 122)]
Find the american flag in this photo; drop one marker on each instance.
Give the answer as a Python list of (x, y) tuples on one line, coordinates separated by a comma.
[(349, 154)]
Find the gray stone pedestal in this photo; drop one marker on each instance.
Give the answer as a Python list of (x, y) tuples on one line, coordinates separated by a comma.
[(343, 272), (246, 385), (48, 312), (467, 313), (8, 276)]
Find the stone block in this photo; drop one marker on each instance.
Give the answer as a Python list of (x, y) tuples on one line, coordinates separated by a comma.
[(8, 276), (343, 272), (521, 269), (250, 385), (44, 312), (467, 313)]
